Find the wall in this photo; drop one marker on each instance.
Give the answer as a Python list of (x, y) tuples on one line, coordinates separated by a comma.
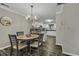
[(18, 24), (59, 29), (69, 32), (59, 25)]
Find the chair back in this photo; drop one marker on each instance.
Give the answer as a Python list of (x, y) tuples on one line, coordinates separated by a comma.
[(40, 39), (20, 33), (13, 40)]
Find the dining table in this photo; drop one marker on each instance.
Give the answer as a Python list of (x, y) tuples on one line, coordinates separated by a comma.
[(28, 39)]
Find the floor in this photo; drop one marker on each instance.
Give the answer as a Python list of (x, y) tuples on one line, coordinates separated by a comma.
[(57, 52)]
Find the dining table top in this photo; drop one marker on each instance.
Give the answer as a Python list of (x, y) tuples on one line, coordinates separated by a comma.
[(27, 37)]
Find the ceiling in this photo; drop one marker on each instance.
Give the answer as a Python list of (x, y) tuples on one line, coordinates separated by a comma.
[(43, 11)]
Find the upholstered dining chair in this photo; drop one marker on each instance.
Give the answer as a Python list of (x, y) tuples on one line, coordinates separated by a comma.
[(20, 33), (15, 45), (37, 44)]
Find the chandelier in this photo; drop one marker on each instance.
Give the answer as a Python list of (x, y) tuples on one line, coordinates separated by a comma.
[(31, 17)]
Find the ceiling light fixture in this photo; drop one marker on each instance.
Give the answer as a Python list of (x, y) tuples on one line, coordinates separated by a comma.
[(31, 17)]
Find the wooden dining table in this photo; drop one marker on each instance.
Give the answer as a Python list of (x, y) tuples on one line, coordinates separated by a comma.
[(28, 39)]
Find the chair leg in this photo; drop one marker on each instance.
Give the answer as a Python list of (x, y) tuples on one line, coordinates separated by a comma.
[(26, 51), (38, 52), (17, 52), (11, 51)]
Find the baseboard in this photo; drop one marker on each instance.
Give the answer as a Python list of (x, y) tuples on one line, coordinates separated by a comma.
[(70, 54), (4, 47)]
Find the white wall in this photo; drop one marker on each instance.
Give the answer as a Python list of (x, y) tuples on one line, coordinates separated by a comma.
[(59, 25), (59, 29), (69, 30), (18, 24)]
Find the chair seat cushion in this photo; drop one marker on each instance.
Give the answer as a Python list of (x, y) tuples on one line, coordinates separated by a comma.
[(20, 46), (35, 44)]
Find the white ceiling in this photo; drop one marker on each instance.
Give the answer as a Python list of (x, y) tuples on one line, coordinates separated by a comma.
[(41, 10)]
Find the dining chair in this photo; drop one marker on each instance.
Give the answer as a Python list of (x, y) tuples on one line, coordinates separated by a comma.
[(20, 33), (15, 45), (37, 44)]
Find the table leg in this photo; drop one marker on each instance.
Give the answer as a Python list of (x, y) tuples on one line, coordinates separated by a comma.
[(29, 48)]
